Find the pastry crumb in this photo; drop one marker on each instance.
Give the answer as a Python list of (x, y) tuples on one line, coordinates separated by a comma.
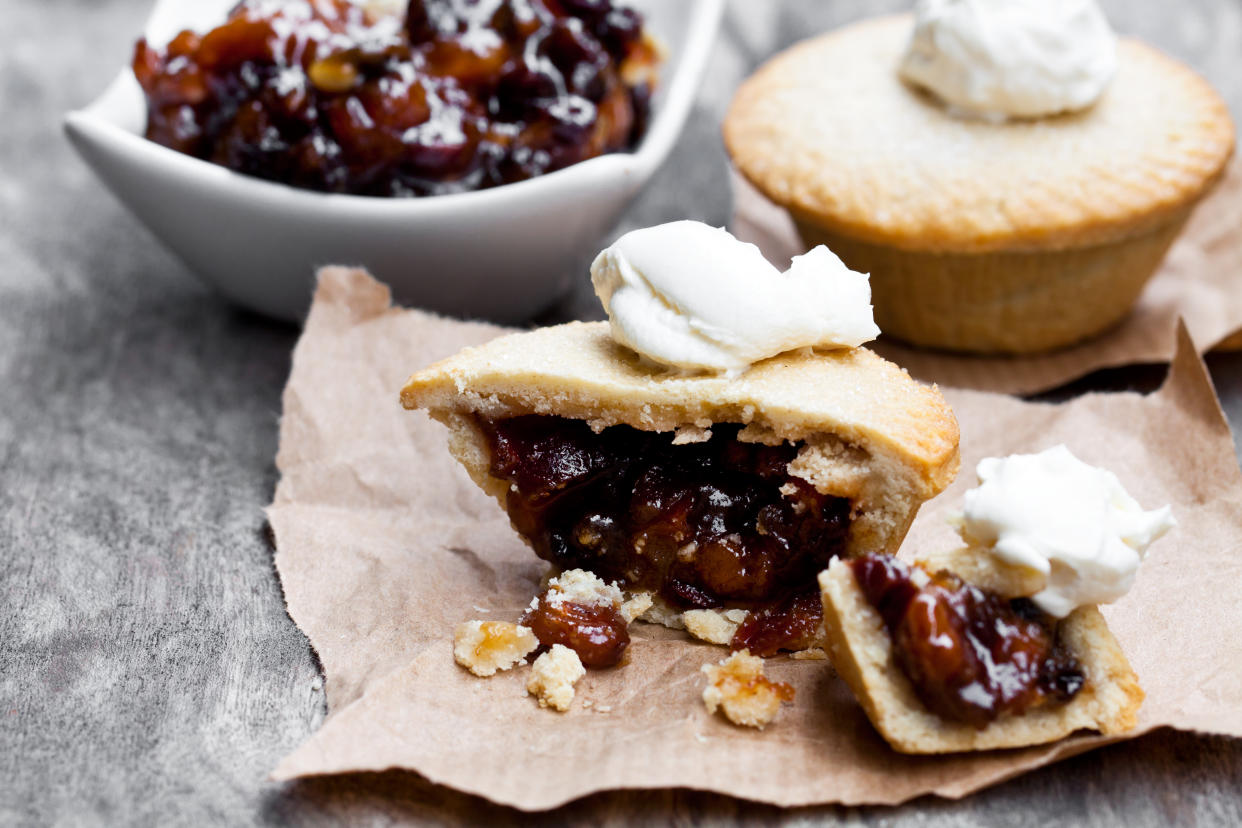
[(483, 647), (661, 613), (715, 626), (579, 586), (603, 708), (810, 654), (637, 604), (687, 434), (737, 687), (553, 675)]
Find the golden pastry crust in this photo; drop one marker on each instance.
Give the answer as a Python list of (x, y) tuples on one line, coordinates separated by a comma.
[(738, 689), (872, 434), (829, 131), (1003, 302), (862, 653)]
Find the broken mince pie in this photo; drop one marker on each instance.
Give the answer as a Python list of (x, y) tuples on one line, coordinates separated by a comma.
[(999, 643), (710, 492), (942, 665)]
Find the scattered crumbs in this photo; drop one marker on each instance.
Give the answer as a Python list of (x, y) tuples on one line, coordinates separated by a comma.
[(738, 688), (587, 704), (477, 608), (702, 739), (579, 586), (810, 654), (636, 605), (603, 708), (553, 675), (483, 647), (714, 626)]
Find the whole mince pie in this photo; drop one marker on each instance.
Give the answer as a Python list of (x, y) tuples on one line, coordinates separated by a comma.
[(711, 493), (388, 99), (942, 665)]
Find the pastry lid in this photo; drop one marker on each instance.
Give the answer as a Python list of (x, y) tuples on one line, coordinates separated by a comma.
[(829, 131), (577, 371)]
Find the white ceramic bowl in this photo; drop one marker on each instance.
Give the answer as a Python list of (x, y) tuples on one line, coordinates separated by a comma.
[(504, 254)]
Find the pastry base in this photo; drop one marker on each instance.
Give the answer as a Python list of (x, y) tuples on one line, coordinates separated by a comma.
[(862, 653), (1002, 302)]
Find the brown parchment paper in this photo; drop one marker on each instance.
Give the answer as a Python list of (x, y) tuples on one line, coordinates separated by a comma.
[(383, 545), (1200, 281)]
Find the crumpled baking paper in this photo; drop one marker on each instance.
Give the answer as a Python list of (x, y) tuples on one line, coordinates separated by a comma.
[(1199, 282), (384, 545)]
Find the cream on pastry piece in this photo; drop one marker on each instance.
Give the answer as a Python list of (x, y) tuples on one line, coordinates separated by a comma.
[(1083, 682), (999, 643), (692, 486)]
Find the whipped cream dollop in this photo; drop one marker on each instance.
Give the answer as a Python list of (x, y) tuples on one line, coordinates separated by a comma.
[(1073, 522), (1011, 58), (693, 297)]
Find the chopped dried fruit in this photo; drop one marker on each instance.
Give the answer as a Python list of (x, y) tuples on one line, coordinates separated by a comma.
[(795, 623), (583, 613), (701, 524), (344, 97), (970, 655)]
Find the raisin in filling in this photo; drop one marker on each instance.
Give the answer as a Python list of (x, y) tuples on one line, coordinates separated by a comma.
[(598, 634), (970, 655), (456, 95), (703, 525)]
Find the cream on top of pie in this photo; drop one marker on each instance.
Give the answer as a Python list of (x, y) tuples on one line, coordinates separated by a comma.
[(1072, 523), (1015, 58), (828, 130), (691, 296)]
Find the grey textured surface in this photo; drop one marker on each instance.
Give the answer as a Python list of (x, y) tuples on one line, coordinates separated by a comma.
[(148, 672)]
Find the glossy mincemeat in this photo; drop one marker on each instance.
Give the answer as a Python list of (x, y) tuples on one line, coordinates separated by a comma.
[(970, 655), (456, 95), (596, 632), (704, 525)]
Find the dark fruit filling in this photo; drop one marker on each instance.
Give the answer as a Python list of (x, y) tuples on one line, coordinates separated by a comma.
[(703, 525), (457, 95), (598, 634), (791, 624), (970, 655)]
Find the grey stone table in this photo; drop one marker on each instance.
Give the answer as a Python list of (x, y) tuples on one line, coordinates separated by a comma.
[(148, 672)]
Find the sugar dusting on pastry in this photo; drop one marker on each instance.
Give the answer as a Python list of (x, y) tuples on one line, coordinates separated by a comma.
[(692, 297), (998, 59), (1071, 522)]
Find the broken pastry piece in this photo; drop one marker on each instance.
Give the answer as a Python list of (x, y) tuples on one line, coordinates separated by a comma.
[(484, 647), (737, 688), (553, 676), (999, 644), (725, 478)]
